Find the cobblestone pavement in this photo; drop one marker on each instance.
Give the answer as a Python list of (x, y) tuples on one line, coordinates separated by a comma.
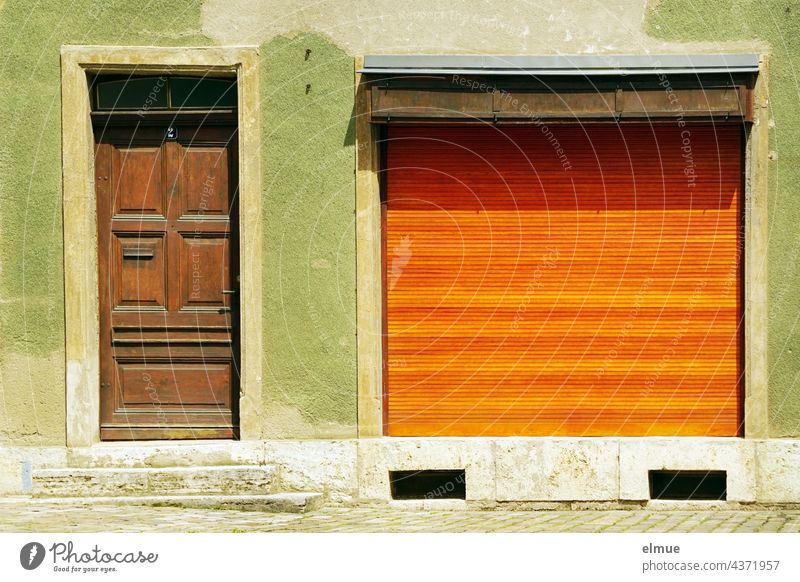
[(38, 517)]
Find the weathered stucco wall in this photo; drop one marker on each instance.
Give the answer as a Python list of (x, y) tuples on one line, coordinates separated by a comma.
[(778, 24), (456, 26), (307, 141)]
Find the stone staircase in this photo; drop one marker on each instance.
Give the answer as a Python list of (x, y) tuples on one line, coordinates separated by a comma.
[(241, 487)]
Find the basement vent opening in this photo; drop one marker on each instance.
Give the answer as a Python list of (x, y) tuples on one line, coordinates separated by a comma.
[(689, 485), (430, 484)]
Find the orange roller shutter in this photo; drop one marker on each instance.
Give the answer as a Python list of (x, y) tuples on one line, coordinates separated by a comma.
[(563, 280)]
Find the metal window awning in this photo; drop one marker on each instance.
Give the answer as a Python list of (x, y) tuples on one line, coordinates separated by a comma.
[(554, 65), (464, 88)]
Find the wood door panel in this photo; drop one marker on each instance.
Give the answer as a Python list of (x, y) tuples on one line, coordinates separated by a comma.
[(171, 335), (204, 181), (177, 320), (139, 273), (174, 351), (524, 298), (210, 227), (183, 423), (169, 345), (138, 181), (178, 384), (204, 272)]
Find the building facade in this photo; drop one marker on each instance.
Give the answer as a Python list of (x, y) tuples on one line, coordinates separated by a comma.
[(352, 241)]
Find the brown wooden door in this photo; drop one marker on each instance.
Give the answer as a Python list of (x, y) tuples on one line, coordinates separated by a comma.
[(585, 281), (168, 254)]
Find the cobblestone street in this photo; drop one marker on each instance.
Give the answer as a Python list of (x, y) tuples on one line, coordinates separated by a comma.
[(41, 517)]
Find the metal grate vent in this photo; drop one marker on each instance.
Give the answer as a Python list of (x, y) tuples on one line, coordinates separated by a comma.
[(689, 485), (429, 484)]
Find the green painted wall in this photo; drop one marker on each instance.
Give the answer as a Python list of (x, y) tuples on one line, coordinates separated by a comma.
[(777, 23), (309, 287)]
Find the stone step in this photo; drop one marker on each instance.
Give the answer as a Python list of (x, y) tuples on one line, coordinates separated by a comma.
[(149, 481), (290, 502)]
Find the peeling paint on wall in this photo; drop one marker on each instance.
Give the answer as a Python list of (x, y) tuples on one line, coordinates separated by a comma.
[(459, 26)]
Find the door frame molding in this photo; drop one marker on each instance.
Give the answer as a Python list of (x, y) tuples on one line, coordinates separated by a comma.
[(369, 309), (81, 295)]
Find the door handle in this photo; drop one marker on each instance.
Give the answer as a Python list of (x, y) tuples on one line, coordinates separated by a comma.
[(229, 291)]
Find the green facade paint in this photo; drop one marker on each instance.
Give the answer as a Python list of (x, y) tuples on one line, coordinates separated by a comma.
[(778, 24), (309, 225)]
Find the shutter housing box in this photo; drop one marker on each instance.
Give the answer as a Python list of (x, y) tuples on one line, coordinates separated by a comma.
[(519, 89)]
